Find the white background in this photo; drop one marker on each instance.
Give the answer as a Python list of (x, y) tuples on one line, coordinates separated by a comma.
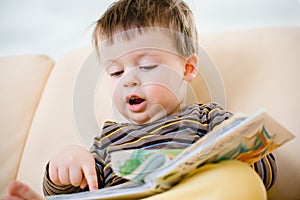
[(55, 27)]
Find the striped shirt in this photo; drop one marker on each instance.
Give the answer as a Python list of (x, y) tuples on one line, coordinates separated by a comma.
[(176, 131)]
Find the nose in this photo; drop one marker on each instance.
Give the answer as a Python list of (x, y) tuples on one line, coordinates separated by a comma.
[(131, 79)]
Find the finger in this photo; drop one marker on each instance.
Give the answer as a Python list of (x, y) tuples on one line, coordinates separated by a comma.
[(53, 174), (63, 176), (76, 175), (18, 190), (90, 175), (83, 183)]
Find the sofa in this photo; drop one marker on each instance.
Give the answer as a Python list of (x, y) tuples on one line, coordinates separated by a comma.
[(259, 68)]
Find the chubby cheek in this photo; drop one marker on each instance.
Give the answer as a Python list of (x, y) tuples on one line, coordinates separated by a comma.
[(117, 96), (115, 93), (111, 86), (162, 95)]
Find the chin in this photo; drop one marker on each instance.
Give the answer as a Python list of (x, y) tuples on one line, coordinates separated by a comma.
[(139, 122), (141, 118)]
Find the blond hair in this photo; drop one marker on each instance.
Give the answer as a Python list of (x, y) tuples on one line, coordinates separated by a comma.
[(174, 15)]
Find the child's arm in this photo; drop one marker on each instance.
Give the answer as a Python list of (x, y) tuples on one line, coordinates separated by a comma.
[(267, 170), (70, 171)]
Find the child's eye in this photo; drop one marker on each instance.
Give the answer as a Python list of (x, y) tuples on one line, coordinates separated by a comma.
[(148, 67), (117, 74)]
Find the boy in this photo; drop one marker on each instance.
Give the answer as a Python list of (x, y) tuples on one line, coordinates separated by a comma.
[(149, 49)]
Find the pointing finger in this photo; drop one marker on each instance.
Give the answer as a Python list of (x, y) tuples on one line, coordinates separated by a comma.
[(91, 176)]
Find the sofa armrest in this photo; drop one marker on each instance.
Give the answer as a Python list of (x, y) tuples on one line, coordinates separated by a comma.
[(22, 81), (53, 126)]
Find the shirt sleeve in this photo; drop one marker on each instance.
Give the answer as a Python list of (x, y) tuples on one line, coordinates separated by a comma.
[(216, 115)]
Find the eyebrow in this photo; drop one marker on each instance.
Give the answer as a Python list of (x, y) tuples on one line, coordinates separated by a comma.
[(139, 55), (145, 54)]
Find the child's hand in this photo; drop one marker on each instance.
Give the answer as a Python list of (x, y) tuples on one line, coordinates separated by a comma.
[(73, 165)]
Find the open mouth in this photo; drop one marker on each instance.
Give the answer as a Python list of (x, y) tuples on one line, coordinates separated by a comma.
[(135, 100), (136, 103)]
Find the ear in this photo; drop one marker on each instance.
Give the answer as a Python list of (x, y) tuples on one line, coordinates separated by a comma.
[(190, 70)]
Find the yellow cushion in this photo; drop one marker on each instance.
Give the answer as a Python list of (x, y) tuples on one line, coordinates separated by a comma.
[(217, 181)]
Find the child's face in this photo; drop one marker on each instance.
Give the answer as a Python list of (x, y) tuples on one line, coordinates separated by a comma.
[(148, 80)]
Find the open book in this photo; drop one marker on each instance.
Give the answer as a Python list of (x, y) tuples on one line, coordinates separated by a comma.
[(153, 171)]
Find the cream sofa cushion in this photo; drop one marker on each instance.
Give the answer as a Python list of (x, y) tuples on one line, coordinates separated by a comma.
[(250, 62), (22, 81)]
